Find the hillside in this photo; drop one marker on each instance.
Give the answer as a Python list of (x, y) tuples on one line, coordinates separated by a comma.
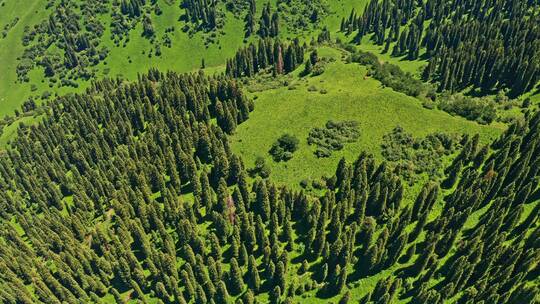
[(283, 151), (341, 93)]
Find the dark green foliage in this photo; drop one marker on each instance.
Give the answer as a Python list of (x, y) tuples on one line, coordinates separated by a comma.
[(269, 22), (261, 168), (284, 147), (235, 278), (333, 136), (268, 54), (391, 75), (148, 29), (250, 18), (412, 157), (308, 67), (480, 43), (481, 110), (204, 14)]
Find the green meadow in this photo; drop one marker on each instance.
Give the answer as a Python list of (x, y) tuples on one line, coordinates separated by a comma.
[(294, 109), (13, 93)]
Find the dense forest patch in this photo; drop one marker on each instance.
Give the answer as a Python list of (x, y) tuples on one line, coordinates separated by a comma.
[(141, 197), (471, 43), (153, 186)]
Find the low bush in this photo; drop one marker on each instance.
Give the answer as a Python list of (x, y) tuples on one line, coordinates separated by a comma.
[(333, 137), (261, 168), (284, 147), (481, 110), (412, 157), (391, 75)]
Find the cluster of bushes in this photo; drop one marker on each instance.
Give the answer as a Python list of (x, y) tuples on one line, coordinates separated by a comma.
[(9, 26), (261, 168), (411, 156), (392, 76), (284, 147), (315, 184), (481, 110), (333, 137)]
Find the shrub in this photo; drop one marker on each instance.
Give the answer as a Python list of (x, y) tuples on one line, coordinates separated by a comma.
[(410, 156), (318, 184), (526, 102), (284, 147), (333, 137), (428, 104), (317, 70), (481, 110), (365, 58), (261, 168)]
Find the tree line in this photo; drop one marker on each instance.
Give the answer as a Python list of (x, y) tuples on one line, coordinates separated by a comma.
[(268, 53), (203, 13), (490, 45)]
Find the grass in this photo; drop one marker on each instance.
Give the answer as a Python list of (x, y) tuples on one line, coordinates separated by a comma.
[(185, 55), (350, 96), (12, 94)]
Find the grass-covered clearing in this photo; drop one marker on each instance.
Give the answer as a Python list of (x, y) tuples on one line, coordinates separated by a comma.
[(350, 96)]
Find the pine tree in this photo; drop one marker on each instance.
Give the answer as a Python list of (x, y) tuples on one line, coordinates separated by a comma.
[(254, 280), (308, 67), (222, 296), (235, 277), (262, 201), (275, 295), (279, 276)]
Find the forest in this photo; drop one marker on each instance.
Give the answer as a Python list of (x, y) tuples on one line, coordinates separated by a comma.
[(280, 152)]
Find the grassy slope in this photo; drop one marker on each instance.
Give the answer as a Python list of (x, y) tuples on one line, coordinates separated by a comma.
[(12, 94), (349, 97), (185, 55)]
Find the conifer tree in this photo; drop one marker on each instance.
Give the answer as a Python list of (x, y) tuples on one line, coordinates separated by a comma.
[(235, 277), (254, 280)]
